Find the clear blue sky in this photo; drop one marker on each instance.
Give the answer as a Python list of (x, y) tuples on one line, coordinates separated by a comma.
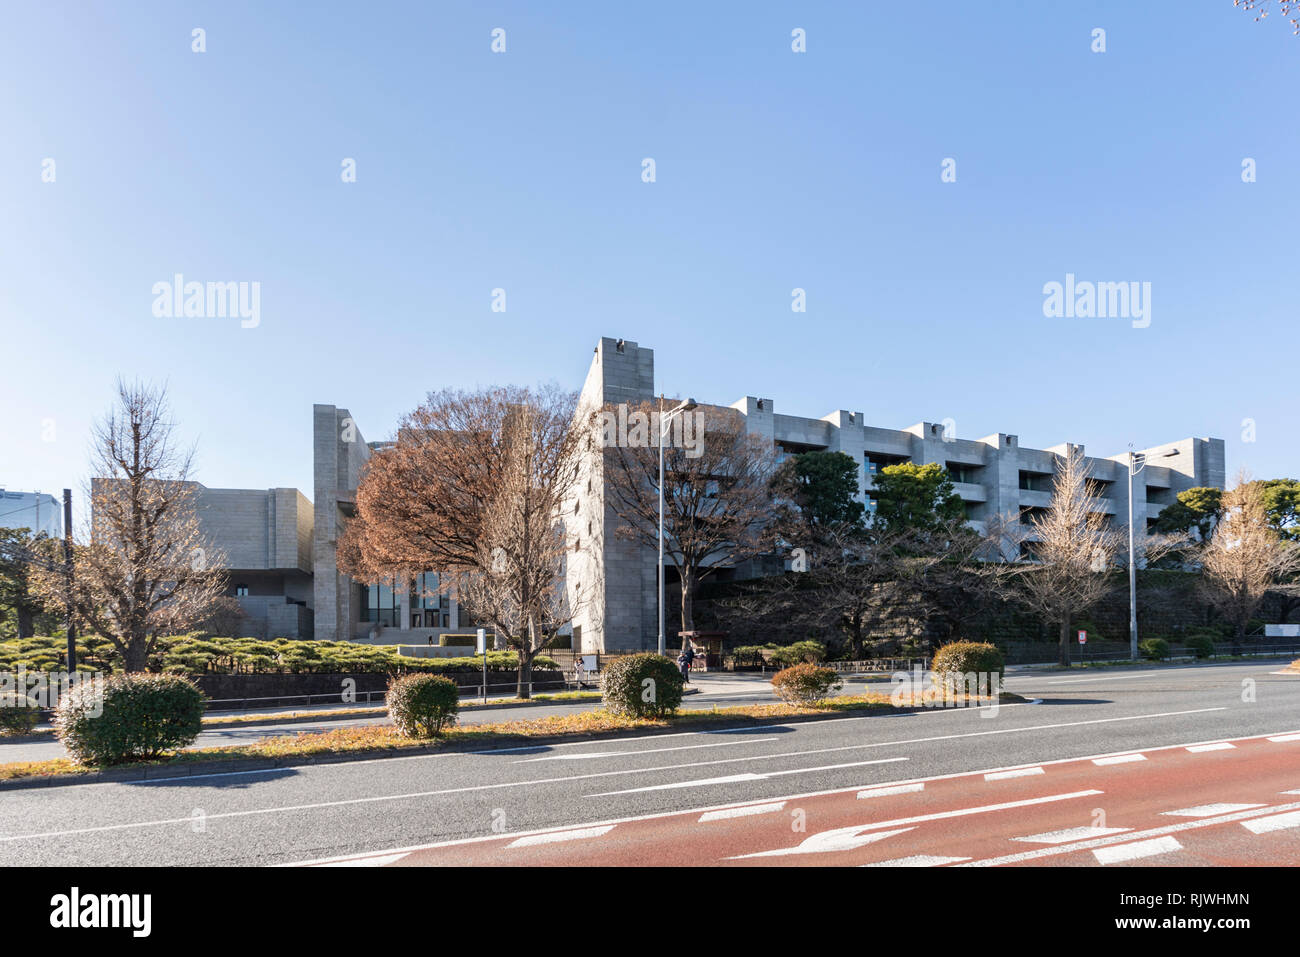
[(523, 171)]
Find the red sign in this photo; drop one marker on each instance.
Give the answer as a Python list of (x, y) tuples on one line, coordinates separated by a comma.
[(1083, 637)]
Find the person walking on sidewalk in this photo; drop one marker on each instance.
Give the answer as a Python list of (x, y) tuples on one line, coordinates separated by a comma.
[(684, 660), (579, 671)]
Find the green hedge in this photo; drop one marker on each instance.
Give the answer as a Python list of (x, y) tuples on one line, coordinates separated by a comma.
[(954, 661), (641, 686), (18, 713), (129, 717), (805, 683), (422, 705), (198, 654)]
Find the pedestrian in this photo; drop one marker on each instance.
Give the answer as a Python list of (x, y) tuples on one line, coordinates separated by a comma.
[(579, 671), (684, 660)]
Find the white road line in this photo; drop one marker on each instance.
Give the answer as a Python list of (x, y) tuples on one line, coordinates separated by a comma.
[(918, 860), (1018, 773), (1278, 822), (1210, 810), (1070, 834), (746, 811), (1220, 746), (1285, 737), (382, 860), (1070, 681), (623, 754), (735, 778), (956, 775), (1107, 841), (580, 834), (1119, 759), (829, 842), (887, 790), (983, 809), (1120, 853)]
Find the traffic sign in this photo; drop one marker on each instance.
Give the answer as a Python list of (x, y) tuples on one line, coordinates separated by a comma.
[(1083, 637)]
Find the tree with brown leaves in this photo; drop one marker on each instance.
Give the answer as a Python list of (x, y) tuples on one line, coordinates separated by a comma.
[(146, 570), (1246, 557), (472, 489)]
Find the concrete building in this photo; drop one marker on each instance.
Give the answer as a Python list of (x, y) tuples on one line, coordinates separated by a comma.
[(613, 581), (266, 537), (282, 550), (36, 511)]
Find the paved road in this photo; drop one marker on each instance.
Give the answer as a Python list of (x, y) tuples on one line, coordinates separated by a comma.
[(385, 807)]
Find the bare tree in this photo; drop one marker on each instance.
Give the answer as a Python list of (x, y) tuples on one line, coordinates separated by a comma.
[(1288, 8), (1073, 550), (472, 489), (716, 495), (146, 570), (1245, 558)]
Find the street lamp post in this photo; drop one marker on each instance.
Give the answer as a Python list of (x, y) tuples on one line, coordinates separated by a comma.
[(1139, 460), (686, 406)]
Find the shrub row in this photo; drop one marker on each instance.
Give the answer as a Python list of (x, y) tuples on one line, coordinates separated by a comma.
[(196, 654)]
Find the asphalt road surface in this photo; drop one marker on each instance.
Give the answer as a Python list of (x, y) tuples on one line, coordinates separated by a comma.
[(1186, 765)]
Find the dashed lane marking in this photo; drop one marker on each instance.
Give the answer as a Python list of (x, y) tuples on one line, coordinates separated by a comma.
[(1120, 759), (746, 811), (1210, 810), (1278, 822), (1070, 834), (580, 834), (886, 790), (1119, 853), (1220, 746), (918, 860), (1017, 773)]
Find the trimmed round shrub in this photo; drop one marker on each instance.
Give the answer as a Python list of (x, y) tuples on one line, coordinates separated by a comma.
[(1202, 645), (129, 717), (1154, 649), (800, 652), (18, 714), (421, 705), (642, 686), (805, 683), (954, 662)]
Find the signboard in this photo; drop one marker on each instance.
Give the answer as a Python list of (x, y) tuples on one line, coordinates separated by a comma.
[(1083, 637), (588, 663), (482, 641)]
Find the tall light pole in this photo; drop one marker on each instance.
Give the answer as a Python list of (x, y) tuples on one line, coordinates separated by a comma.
[(1137, 461), (686, 406)]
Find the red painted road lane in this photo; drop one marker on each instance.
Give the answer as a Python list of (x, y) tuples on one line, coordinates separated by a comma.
[(1234, 810)]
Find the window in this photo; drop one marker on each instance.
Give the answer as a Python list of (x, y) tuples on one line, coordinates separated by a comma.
[(381, 605), (241, 591)]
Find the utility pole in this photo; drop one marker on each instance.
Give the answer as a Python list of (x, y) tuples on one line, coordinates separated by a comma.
[(67, 580)]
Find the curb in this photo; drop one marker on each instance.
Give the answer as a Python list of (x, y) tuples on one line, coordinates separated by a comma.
[(235, 766)]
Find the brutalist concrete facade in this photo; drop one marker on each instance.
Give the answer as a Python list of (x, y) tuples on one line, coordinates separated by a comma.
[(265, 535), (339, 453), (613, 582)]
